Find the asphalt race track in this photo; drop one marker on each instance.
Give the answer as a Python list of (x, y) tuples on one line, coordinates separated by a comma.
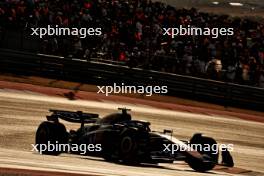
[(22, 111)]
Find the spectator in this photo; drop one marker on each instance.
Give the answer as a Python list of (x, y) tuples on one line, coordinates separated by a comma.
[(261, 79), (132, 33)]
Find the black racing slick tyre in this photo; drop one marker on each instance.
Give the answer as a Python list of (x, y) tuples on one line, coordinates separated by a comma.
[(206, 143), (48, 137), (200, 165)]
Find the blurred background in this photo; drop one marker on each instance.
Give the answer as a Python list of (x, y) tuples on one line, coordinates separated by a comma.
[(133, 36)]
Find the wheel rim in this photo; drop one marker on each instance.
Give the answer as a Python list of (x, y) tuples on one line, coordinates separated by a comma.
[(126, 144)]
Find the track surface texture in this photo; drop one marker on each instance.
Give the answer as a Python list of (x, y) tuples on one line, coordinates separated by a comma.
[(21, 111)]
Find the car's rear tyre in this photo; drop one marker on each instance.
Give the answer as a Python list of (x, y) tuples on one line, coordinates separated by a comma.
[(49, 135)]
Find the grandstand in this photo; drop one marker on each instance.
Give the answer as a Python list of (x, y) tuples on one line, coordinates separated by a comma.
[(132, 36)]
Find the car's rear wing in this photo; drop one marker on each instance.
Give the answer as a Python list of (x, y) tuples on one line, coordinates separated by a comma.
[(71, 116)]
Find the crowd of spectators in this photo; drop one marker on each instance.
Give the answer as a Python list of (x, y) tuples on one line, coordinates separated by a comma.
[(132, 33)]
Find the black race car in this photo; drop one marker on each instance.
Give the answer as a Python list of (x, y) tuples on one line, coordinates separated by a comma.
[(118, 138)]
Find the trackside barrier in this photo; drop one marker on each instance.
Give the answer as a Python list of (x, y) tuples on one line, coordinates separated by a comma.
[(226, 94)]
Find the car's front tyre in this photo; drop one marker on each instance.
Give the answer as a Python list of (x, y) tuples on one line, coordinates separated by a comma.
[(200, 165)]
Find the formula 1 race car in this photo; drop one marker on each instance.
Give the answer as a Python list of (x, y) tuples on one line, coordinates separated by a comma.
[(118, 138)]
